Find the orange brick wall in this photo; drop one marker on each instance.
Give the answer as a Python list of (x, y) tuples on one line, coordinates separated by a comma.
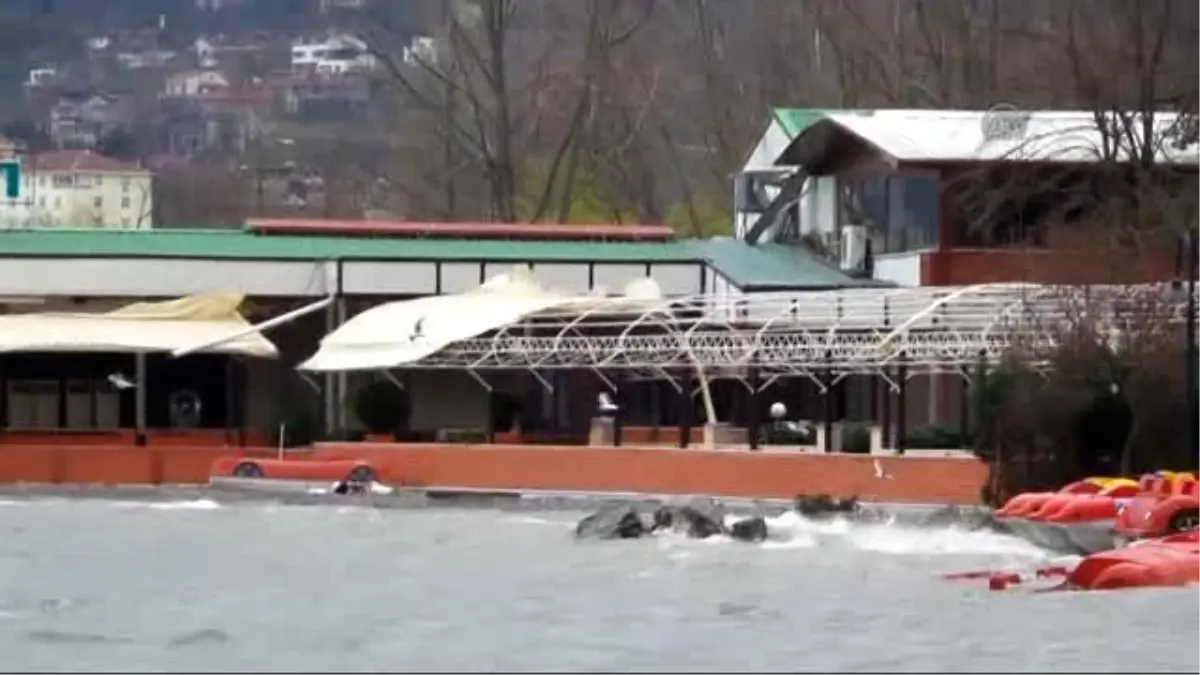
[(659, 470)]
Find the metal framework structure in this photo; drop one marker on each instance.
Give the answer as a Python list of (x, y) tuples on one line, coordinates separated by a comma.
[(867, 331)]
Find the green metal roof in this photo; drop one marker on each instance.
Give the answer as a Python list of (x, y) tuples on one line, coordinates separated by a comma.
[(774, 266), (236, 244), (796, 120), (744, 265)]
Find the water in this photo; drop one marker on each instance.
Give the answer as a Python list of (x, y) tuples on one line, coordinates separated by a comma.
[(110, 585)]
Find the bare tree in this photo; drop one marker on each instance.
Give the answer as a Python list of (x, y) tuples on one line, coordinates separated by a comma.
[(510, 82)]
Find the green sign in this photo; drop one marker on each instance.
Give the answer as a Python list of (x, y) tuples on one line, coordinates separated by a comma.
[(12, 179)]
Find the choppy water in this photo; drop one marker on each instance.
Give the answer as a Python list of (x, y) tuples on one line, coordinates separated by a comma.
[(104, 585)]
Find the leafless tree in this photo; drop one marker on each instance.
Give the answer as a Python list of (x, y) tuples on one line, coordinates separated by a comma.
[(511, 81)]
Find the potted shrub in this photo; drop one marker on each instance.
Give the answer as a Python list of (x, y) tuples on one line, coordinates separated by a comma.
[(383, 408)]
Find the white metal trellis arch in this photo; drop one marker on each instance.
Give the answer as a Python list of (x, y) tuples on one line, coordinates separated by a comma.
[(847, 331)]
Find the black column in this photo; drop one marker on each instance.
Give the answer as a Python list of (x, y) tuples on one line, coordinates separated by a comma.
[(491, 416), (230, 398), (684, 378), (901, 404), (830, 400), (621, 401), (1190, 357), (754, 411), (3, 395), (964, 409)]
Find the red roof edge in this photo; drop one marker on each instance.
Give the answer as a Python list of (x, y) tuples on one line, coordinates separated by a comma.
[(411, 230)]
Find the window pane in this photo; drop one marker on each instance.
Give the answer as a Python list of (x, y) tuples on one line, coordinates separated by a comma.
[(912, 213)]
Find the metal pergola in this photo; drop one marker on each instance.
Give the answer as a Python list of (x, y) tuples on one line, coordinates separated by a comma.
[(852, 331)]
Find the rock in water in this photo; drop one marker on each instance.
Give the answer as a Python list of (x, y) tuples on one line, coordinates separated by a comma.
[(749, 529), (699, 521), (620, 522), (823, 505)]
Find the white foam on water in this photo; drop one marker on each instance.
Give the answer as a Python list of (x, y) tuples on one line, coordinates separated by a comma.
[(9, 502), (534, 520), (184, 505), (800, 541), (892, 538)]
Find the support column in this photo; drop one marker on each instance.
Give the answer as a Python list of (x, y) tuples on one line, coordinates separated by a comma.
[(901, 404), (964, 409), (341, 387), (884, 395), (830, 400), (754, 411), (230, 403), (490, 430), (329, 383), (684, 378), (3, 394), (139, 378), (622, 401)]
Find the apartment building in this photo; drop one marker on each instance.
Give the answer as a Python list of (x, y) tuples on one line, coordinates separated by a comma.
[(80, 189)]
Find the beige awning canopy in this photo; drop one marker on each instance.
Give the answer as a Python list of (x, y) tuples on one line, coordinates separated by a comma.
[(139, 327)]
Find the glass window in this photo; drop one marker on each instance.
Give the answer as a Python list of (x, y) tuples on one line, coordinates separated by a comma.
[(912, 220)]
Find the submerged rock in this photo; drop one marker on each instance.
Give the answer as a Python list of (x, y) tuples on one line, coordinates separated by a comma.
[(698, 520), (614, 522), (819, 505), (749, 529)]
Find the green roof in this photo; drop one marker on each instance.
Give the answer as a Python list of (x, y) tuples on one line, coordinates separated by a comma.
[(796, 120), (236, 244), (774, 266), (762, 266)]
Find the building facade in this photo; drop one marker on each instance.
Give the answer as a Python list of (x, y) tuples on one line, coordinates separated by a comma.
[(332, 54), (952, 197), (99, 270), (80, 189)]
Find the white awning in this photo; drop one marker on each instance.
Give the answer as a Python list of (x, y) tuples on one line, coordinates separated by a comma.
[(399, 333), (139, 327)]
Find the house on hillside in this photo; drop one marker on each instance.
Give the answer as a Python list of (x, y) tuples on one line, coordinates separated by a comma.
[(315, 97), (80, 120), (226, 121), (79, 188), (333, 53), (191, 83)]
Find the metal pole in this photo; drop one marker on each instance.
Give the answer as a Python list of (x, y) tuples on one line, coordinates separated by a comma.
[(139, 379), (1190, 365)]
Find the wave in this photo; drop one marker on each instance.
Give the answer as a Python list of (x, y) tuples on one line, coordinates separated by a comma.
[(792, 531), (183, 505)]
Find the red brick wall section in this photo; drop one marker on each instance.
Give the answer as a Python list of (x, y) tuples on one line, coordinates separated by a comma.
[(977, 266), (727, 473), (736, 473), (107, 464)]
